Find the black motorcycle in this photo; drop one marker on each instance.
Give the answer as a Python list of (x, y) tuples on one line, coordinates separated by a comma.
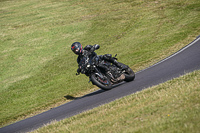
[(95, 69)]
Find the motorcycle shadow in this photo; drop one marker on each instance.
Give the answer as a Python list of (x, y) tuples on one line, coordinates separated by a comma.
[(69, 97)]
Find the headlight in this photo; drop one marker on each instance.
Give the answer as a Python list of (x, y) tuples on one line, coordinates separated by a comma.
[(88, 66)]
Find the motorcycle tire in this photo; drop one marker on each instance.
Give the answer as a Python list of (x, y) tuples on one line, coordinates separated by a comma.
[(129, 75), (103, 84)]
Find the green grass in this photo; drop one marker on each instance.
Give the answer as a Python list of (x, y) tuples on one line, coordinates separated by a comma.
[(37, 67), (169, 107)]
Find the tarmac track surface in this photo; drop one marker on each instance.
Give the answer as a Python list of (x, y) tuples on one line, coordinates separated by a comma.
[(185, 60)]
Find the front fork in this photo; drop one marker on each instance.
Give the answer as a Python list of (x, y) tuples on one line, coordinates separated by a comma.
[(98, 73)]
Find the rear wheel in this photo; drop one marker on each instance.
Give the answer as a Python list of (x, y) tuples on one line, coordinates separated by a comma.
[(104, 84), (129, 75)]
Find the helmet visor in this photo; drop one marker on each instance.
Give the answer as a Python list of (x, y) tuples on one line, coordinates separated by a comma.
[(76, 50)]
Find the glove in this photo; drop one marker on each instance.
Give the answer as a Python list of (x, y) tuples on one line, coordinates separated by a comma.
[(96, 46), (78, 71)]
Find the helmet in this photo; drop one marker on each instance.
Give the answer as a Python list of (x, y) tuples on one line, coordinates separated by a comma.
[(77, 48)]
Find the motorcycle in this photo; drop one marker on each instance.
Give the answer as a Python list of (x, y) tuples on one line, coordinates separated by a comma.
[(95, 69)]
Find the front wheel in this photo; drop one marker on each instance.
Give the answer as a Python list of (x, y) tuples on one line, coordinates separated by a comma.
[(104, 84)]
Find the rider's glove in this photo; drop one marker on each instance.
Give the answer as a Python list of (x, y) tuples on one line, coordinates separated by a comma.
[(78, 71), (95, 47)]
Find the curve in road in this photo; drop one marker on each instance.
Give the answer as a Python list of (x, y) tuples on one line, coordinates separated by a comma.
[(185, 60)]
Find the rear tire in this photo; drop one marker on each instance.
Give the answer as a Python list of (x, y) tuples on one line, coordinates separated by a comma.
[(103, 84), (129, 75)]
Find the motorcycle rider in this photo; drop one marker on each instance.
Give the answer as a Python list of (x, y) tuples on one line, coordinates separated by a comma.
[(88, 50)]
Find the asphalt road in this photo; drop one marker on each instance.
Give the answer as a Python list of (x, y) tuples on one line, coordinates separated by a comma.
[(185, 60)]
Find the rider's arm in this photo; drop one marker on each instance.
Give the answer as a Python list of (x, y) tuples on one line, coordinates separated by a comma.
[(95, 47), (91, 48), (78, 59)]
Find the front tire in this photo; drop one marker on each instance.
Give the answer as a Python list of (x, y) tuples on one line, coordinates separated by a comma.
[(104, 84)]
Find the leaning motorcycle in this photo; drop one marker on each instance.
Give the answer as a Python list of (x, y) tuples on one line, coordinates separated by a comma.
[(94, 69)]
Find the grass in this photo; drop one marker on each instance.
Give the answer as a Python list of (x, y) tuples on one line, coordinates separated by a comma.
[(169, 107), (37, 67)]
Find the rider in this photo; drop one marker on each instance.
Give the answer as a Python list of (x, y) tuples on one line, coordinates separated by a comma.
[(78, 49)]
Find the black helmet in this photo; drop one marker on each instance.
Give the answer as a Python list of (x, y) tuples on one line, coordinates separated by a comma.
[(77, 48)]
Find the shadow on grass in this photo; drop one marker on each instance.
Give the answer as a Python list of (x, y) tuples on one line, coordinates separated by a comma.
[(69, 97)]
